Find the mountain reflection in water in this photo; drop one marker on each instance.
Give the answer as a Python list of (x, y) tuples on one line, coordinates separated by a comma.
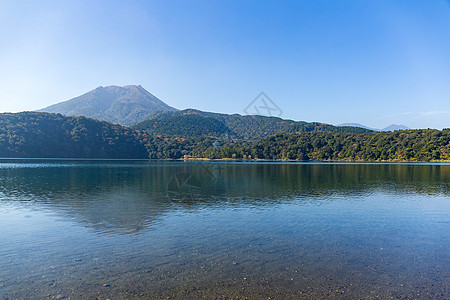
[(129, 196)]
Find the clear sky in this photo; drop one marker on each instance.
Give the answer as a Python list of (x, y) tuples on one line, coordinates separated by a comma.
[(374, 62)]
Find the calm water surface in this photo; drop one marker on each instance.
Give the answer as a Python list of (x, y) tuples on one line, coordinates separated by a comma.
[(189, 230)]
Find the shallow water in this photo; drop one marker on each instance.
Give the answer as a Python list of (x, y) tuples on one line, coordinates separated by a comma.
[(189, 230)]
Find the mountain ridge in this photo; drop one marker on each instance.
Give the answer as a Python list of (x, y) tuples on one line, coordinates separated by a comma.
[(235, 126), (47, 135), (130, 105), (391, 127), (125, 105)]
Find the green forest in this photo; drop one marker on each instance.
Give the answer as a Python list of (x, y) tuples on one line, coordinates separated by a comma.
[(45, 135), (186, 125), (402, 145), (192, 123)]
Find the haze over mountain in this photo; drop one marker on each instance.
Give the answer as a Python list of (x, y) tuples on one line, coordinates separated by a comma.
[(391, 127), (394, 127), (126, 105)]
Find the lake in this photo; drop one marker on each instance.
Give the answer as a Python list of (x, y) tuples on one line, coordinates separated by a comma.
[(188, 230)]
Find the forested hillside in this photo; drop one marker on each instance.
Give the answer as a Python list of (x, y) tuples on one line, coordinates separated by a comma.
[(159, 147), (186, 125), (39, 135), (44, 135), (249, 127), (403, 145)]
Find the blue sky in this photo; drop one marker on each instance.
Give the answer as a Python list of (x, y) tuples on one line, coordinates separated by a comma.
[(374, 62)]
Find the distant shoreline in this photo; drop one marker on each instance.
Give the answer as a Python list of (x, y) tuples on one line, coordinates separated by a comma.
[(200, 159), (307, 161)]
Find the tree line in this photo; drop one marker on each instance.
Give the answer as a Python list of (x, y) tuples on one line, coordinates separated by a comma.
[(44, 135), (403, 145)]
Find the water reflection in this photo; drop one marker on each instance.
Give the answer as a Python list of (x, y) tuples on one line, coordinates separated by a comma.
[(166, 229), (130, 196)]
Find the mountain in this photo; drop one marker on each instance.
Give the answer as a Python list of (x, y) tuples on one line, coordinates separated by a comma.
[(45, 135), (394, 127), (248, 127), (126, 105), (358, 125), (391, 127)]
